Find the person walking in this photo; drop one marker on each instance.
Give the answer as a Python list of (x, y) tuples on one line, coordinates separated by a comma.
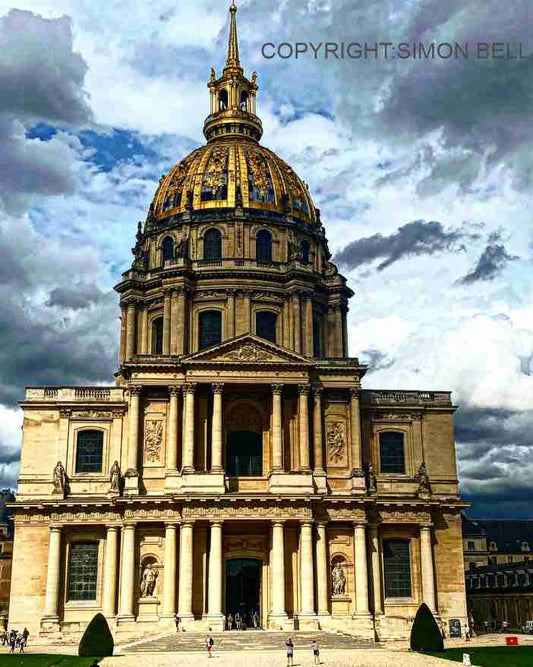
[(177, 621), (230, 622), (290, 651), (209, 642), (13, 641), (316, 653)]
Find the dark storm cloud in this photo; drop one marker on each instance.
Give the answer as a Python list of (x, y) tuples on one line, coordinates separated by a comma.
[(415, 238), (76, 298), (490, 264)]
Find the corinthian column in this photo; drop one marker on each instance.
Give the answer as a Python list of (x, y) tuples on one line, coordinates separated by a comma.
[(169, 573), (361, 570), (428, 574), (322, 575), (277, 450), (133, 441), (188, 446), (278, 572), (306, 569), (215, 572), (216, 440), (109, 603), (127, 574), (53, 575), (317, 423), (303, 414), (186, 571), (172, 450)]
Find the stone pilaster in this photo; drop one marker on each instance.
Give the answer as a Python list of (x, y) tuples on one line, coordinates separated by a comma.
[(132, 474), (188, 445), (169, 574), (375, 557), (308, 334), (174, 315), (428, 573), (318, 431), (53, 573), (216, 440), (322, 574), (109, 602), (230, 315), (167, 308), (127, 574), (186, 571), (172, 446), (130, 332), (303, 415), (277, 448), (296, 322), (361, 570), (123, 333)]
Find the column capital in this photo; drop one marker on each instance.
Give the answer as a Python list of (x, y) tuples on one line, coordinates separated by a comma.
[(307, 522), (318, 391), (216, 522), (359, 524), (425, 527), (130, 525), (189, 387), (174, 390), (172, 524), (277, 388), (217, 387), (304, 389), (187, 522), (135, 389), (112, 527), (131, 303), (231, 293), (167, 292), (56, 528), (355, 392), (278, 522)]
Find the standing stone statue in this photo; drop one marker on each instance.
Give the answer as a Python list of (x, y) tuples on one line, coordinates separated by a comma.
[(148, 581), (338, 580), (115, 477), (424, 489), (60, 479), (371, 479)]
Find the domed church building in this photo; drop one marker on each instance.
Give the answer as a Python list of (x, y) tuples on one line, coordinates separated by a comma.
[(237, 466)]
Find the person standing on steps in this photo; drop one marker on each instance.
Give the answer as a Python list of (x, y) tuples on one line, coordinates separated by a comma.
[(230, 622), (209, 645), (290, 651), (316, 653), (238, 621)]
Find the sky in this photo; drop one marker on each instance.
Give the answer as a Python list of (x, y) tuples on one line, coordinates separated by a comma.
[(422, 170)]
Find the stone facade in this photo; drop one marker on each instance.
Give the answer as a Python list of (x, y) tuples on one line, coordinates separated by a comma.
[(237, 455), (496, 541)]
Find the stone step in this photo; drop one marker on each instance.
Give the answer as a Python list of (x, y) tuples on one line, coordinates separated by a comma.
[(259, 640)]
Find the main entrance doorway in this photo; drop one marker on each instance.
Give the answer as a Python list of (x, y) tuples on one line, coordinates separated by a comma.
[(243, 589)]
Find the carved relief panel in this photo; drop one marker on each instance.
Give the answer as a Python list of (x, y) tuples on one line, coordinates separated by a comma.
[(154, 436)]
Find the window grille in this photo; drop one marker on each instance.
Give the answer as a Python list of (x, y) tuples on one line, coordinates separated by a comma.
[(391, 452), (397, 568), (83, 571), (89, 450)]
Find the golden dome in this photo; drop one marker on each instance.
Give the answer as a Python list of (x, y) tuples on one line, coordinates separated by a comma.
[(229, 173)]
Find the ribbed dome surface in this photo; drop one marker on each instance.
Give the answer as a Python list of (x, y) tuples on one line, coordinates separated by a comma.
[(229, 173)]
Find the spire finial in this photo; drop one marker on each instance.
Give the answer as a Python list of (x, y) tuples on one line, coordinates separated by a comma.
[(233, 42)]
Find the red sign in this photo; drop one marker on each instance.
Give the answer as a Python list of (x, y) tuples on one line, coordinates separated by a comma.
[(511, 641)]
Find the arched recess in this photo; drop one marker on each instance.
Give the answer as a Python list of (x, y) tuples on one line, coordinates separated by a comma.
[(167, 249), (263, 246)]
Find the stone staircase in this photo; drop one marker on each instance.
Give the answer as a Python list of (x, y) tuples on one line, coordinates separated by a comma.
[(256, 640)]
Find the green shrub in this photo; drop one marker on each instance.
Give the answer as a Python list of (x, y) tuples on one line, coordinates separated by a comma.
[(425, 633), (97, 640)]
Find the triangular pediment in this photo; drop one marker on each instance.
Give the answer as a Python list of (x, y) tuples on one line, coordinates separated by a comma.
[(247, 349)]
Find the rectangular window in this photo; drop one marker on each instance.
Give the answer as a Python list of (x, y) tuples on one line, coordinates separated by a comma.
[(89, 451), (471, 546), (397, 567), (83, 571), (391, 452)]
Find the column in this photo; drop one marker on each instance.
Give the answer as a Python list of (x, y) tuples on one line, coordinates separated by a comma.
[(303, 415), (309, 352), (169, 573), (186, 570), (296, 322), (247, 311), (215, 571), (277, 448), (130, 332), (376, 568), (355, 443), (172, 450), (188, 445), (287, 338), (361, 572), (428, 576), (181, 325), (230, 325), (144, 330), (127, 574), (278, 570), (53, 574), (133, 442), (109, 602), (216, 440), (317, 424), (166, 321), (306, 569), (123, 333), (322, 574), (173, 323), (339, 338)]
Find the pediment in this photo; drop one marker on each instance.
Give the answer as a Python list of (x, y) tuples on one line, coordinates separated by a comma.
[(247, 349)]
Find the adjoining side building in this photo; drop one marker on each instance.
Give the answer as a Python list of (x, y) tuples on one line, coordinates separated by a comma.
[(496, 541), (238, 465)]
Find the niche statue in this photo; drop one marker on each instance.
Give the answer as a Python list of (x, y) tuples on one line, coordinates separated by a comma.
[(338, 579), (148, 581), (60, 479)]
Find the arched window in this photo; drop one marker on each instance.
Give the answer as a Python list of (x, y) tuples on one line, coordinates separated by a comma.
[(213, 244), (391, 452), (168, 248), (210, 328), (223, 100), (89, 448), (244, 99), (82, 571), (157, 336), (265, 325), (263, 246), (397, 568), (304, 248)]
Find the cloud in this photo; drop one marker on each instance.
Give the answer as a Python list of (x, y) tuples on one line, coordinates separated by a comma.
[(491, 263), (415, 238), (76, 298)]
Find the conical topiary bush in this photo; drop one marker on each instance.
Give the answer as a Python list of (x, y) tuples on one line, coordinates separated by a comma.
[(97, 640), (425, 633)]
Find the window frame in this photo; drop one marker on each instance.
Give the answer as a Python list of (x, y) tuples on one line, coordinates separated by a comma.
[(212, 231), (83, 540), (154, 336), (384, 432), (409, 542), (79, 432), (264, 233), (166, 238), (257, 314), (199, 317)]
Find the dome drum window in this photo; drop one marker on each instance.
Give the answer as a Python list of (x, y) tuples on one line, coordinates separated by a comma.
[(212, 245), (263, 246), (209, 328), (266, 324)]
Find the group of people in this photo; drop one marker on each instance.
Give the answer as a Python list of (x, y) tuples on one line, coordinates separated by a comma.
[(289, 648), (15, 639), (240, 623), (493, 625)]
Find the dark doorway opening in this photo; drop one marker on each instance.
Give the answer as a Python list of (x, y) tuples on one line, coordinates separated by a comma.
[(244, 454), (243, 589)]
